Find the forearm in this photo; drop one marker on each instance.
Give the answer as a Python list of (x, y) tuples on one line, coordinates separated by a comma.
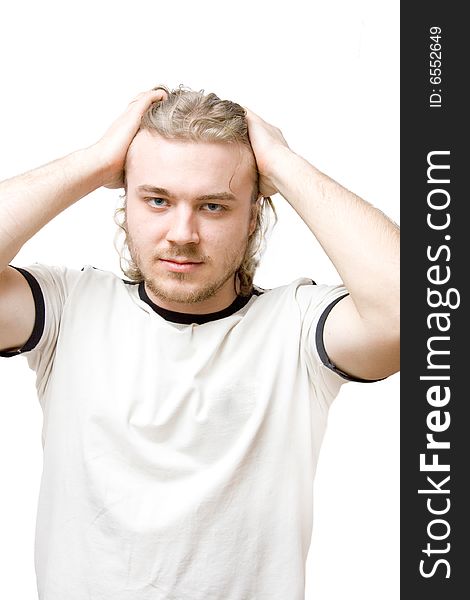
[(29, 201), (360, 240)]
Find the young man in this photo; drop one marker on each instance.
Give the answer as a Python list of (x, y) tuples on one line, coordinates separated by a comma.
[(184, 407)]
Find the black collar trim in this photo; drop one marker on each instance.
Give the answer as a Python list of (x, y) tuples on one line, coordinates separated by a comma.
[(186, 318)]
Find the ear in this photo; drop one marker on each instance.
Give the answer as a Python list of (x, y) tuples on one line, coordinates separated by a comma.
[(255, 208)]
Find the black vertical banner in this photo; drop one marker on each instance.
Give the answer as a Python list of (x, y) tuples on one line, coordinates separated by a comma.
[(435, 428)]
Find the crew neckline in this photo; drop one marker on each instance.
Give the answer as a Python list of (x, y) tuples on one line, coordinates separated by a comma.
[(188, 318)]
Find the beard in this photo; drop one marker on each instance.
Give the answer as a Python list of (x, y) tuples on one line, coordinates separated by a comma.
[(188, 288)]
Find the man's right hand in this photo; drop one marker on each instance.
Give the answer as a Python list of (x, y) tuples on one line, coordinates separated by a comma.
[(113, 146), (30, 200)]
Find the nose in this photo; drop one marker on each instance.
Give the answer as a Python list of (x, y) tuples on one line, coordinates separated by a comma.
[(183, 228)]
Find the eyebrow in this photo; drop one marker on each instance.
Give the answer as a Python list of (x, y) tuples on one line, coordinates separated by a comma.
[(151, 189)]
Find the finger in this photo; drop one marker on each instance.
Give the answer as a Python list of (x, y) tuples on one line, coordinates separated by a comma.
[(162, 87), (150, 96)]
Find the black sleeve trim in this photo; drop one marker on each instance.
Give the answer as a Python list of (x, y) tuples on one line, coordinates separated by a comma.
[(39, 320), (321, 347)]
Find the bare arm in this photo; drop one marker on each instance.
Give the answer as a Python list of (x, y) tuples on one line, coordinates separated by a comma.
[(29, 201), (362, 331)]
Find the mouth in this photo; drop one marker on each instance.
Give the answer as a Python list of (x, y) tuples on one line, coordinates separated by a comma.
[(180, 266)]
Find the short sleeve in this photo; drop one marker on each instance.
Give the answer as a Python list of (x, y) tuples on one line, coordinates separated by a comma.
[(315, 303), (39, 316), (50, 286)]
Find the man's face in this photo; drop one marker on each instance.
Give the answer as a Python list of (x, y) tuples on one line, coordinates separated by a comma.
[(189, 214)]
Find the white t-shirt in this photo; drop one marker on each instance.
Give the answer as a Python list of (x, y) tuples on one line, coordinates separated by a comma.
[(178, 456)]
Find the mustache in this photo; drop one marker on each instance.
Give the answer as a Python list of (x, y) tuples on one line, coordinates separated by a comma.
[(187, 254)]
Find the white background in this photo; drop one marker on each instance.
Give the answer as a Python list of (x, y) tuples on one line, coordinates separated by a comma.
[(327, 74)]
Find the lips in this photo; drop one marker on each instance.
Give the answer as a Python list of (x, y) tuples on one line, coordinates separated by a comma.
[(181, 262), (180, 266)]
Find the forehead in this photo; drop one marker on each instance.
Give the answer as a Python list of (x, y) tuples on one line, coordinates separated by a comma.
[(186, 166)]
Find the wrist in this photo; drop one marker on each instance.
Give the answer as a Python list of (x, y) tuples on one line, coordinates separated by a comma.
[(293, 175), (284, 162), (96, 162)]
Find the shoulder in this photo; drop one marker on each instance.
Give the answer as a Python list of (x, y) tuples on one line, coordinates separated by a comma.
[(303, 293), (61, 281)]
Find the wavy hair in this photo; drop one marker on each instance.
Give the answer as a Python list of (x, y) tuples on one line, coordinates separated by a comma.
[(195, 116)]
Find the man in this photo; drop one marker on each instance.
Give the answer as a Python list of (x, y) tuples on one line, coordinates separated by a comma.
[(184, 407)]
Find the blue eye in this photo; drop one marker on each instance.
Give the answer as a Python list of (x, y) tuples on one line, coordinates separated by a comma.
[(157, 202), (212, 207)]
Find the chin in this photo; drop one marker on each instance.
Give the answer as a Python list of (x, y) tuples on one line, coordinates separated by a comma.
[(181, 292)]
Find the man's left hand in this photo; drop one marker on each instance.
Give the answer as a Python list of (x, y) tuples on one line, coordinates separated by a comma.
[(269, 146)]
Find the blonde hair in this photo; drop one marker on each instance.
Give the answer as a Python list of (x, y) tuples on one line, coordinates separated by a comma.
[(195, 116)]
